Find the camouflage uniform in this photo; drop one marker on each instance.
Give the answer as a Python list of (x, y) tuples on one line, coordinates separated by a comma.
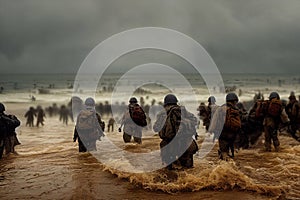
[(226, 137), (130, 128), (89, 132), (270, 128), (176, 127)]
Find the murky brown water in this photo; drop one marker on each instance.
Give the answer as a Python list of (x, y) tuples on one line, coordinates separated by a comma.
[(49, 167)]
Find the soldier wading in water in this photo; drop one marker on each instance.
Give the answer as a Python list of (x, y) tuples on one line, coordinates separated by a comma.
[(176, 127)]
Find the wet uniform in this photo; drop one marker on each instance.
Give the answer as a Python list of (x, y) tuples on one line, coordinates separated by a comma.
[(176, 127)]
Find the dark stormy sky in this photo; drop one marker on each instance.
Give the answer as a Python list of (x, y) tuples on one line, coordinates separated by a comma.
[(54, 36)]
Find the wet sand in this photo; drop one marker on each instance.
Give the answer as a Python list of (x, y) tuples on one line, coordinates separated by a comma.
[(49, 166)]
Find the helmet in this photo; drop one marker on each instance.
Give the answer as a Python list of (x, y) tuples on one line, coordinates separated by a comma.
[(2, 107), (89, 102), (211, 99), (133, 100), (232, 97), (274, 95), (292, 96), (170, 99)]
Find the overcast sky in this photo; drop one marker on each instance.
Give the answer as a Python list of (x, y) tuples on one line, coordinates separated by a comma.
[(244, 36)]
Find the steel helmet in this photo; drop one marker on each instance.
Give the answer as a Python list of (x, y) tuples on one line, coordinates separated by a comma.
[(274, 95), (170, 99), (232, 97), (89, 102), (133, 100), (2, 108), (211, 99)]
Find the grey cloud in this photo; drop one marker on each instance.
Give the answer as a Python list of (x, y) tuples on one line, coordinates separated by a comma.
[(241, 36)]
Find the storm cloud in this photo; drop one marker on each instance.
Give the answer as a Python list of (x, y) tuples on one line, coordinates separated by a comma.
[(40, 36)]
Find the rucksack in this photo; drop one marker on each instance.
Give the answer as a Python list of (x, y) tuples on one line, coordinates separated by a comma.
[(261, 109), (232, 119), (86, 120), (275, 107), (138, 115)]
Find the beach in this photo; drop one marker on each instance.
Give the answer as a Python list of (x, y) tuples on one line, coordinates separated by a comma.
[(49, 166)]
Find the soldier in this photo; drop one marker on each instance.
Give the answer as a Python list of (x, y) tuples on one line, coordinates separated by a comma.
[(206, 112), (30, 114), (110, 124), (176, 127), (40, 116), (226, 124), (8, 138), (292, 109), (88, 127), (274, 115), (64, 114), (254, 126), (131, 128)]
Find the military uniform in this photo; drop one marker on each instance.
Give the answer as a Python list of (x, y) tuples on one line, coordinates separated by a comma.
[(131, 129), (176, 127), (271, 124), (292, 109), (226, 136), (92, 132)]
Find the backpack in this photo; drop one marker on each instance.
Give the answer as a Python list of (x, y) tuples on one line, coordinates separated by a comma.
[(138, 115), (232, 119), (178, 121), (86, 120), (261, 109), (275, 107)]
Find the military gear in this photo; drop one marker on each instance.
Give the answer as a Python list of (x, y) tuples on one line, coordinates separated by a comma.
[(138, 115), (232, 97), (133, 100), (274, 95), (89, 128), (176, 127), (261, 108), (232, 120), (275, 107), (211, 99), (90, 102), (226, 130), (170, 99), (131, 129)]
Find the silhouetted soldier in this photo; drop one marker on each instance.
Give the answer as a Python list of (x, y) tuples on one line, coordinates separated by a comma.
[(7, 125), (40, 116), (111, 123), (64, 114), (30, 114)]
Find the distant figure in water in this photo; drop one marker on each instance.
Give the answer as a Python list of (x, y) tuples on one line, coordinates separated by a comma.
[(30, 114), (176, 127), (64, 114), (40, 116), (111, 123), (8, 138), (88, 127)]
